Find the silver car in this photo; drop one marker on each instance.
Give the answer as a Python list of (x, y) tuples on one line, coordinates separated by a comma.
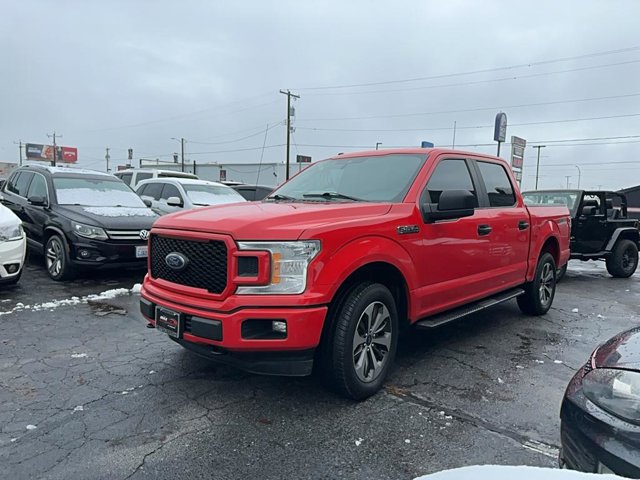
[(168, 195)]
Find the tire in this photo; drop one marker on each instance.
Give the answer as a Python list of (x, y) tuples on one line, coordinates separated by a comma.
[(56, 259), (560, 273), (538, 294), (623, 261), (360, 353)]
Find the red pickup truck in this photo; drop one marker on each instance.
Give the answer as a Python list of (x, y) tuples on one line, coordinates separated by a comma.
[(330, 266)]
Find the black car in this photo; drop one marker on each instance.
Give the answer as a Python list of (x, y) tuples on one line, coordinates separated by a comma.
[(253, 192), (600, 414), (600, 228), (79, 218)]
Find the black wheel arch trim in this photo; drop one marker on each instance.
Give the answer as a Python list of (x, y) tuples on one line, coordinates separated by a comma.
[(620, 231)]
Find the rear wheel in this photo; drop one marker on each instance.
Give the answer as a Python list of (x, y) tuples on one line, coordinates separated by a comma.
[(623, 261), (538, 294), (364, 341), (57, 259)]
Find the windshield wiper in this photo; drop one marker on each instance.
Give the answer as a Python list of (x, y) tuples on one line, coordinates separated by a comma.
[(331, 195), (278, 196)]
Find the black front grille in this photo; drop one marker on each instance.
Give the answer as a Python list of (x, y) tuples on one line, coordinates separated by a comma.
[(206, 265)]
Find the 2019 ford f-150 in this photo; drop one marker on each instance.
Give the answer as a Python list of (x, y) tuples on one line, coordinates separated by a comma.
[(330, 266)]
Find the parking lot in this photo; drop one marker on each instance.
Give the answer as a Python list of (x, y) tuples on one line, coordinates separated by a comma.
[(87, 391)]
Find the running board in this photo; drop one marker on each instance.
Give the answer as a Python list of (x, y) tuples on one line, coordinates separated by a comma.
[(451, 315)]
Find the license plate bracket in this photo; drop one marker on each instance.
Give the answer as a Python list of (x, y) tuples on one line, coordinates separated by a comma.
[(169, 322), (142, 251)]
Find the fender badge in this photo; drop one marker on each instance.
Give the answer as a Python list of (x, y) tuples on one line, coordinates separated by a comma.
[(405, 229)]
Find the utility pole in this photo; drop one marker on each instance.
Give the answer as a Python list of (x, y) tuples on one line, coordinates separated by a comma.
[(53, 162), (289, 95), (453, 145), (538, 162), (567, 177), (107, 157), (182, 151), (579, 175), (20, 148)]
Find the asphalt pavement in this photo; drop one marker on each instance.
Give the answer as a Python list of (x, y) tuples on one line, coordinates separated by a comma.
[(87, 391)]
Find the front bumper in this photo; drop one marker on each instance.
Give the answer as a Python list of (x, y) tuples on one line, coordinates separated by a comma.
[(87, 253), (593, 440), (12, 253), (220, 335)]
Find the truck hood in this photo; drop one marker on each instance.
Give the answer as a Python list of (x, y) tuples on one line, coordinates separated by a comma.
[(270, 220), (621, 351), (110, 218)]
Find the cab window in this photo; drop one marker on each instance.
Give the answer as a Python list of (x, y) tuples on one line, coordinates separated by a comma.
[(497, 184), (452, 174)]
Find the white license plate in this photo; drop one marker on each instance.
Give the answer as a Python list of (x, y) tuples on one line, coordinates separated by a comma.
[(142, 251)]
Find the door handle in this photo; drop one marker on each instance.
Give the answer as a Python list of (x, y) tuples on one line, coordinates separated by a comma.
[(523, 225), (484, 230)]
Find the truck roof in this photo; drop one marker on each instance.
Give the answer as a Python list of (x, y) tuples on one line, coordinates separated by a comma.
[(414, 150)]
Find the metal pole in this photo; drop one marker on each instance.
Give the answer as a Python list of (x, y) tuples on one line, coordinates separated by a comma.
[(289, 95), (538, 163), (567, 177), (106, 157), (453, 144), (53, 162), (182, 148), (579, 175), (378, 143), (498, 154), (19, 143)]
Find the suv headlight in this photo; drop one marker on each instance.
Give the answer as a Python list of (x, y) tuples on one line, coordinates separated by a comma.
[(88, 231), (615, 391), (9, 233), (289, 263)]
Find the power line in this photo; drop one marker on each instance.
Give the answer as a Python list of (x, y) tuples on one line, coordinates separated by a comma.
[(477, 109), (261, 132), (473, 72), (465, 127), (477, 82)]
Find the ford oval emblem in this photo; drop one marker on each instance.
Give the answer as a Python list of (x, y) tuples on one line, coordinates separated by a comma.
[(176, 261)]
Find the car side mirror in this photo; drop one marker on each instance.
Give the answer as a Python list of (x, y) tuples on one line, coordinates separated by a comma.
[(174, 202), (37, 200), (452, 204), (148, 203)]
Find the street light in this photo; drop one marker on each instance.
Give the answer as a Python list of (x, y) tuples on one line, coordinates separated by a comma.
[(579, 175), (181, 140), (538, 162)]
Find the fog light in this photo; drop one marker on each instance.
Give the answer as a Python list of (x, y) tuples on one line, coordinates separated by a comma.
[(12, 267), (279, 326), (84, 253)]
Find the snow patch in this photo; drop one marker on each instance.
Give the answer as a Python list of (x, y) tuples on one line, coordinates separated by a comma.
[(406, 440), (79, 408), (31, 427), (539, 361), (574, 310), (602, 316), (359, 442), (78, 355), (136, 288), (500, 380), (120, 211), (151, 372), (557, 361), (13, 440)]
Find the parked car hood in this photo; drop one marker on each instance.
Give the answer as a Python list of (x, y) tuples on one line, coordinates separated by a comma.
[(270, 220), (621, 351), (111, 218), (8, 218)]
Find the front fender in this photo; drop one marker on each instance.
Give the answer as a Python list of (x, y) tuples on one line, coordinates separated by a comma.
[(363, 251)]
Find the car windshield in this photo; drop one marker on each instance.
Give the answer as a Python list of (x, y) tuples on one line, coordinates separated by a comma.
[(212, 194), (380, 178), (95, 192), (551, 198)]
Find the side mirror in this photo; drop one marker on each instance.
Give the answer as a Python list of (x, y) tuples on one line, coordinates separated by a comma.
[(174, 202), (37, 200), (453, 204), (147, 202)]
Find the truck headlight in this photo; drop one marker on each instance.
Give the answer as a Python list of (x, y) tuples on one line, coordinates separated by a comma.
[(9, 233), (615, 391), (87, 231), (289, 263)]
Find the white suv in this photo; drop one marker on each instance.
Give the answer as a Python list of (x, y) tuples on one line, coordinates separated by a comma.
[(13, 247), (134, 176)]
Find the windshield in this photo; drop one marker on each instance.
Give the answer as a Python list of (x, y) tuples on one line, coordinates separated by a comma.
[(91, 192), (551, 198), (212, 194), (383, 178)]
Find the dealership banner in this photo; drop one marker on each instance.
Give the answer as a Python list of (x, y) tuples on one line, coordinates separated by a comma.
[(37, 151)]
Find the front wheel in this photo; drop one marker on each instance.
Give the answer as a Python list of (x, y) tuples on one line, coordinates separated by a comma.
[(538, 294), (623, 261), (364, 341), (57, 259)]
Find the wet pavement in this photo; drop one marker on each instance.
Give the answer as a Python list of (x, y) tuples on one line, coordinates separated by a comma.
[(87, 391)]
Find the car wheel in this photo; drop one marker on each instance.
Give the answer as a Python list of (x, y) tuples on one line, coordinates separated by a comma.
[(364, 341), (538, 294), (57, 259), (560, 273), (623, 261)]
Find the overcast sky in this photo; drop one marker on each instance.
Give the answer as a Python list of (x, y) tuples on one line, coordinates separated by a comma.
[(133, 74)]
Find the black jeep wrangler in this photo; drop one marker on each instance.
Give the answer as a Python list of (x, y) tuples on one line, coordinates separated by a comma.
[(600, 227)]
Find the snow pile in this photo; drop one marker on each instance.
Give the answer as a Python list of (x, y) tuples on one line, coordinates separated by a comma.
[(136, 288), (501, 472)]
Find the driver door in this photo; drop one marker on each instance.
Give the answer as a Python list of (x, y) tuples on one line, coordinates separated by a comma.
[(591, 225)]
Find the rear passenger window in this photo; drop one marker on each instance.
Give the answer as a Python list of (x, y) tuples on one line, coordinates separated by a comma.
[(22, 183), (38, 187), (497, 183), (449, 175), (126, 178), (143, 176)]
